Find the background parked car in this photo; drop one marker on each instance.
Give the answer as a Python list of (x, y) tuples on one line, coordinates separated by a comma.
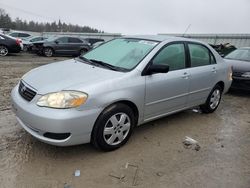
[(97, 44), (20, 35), (92, 41), (240, 61), (62, 46), (223, 49), (9, 45), (28, 42)]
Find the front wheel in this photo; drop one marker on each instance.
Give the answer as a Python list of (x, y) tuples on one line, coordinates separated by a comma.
[(213, 100), (48, 52), (113, 127)]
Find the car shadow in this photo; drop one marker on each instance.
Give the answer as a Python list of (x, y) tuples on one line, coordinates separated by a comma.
[(239, 93)]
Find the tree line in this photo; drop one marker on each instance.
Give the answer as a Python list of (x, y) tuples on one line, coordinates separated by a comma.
[(18, 24)]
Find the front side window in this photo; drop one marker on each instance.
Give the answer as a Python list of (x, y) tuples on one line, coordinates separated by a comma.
[(36, 39), (124, 53), (63, 40), (14, 34), (199, 55), (172, 55)]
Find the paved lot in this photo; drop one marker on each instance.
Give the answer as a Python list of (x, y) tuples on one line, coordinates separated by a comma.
[(154, 156)]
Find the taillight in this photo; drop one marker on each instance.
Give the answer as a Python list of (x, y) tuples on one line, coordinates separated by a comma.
[(18, 41)]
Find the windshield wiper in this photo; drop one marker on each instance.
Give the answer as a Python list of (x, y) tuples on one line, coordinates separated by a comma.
[(101, 63), (85, 59), (112, 67)]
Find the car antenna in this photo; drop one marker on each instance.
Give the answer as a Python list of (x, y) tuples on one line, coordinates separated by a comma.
[(186, 30)]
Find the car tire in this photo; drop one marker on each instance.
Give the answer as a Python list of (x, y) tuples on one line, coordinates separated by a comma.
[(25, 48), (3, 50), (48, 52), (113, 127), (213, 100), (83, 51)]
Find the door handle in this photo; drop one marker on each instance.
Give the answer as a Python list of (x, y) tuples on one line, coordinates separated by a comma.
[(214, 70), (185, 75)]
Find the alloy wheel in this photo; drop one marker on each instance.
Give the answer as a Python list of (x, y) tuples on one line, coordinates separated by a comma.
[(116, 129), (215, 98), (3, 51)]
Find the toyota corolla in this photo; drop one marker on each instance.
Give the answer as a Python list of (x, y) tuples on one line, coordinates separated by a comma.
[(102, 95)]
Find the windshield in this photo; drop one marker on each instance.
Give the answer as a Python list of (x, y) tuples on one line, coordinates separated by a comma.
[(122, 53), (239, 54)]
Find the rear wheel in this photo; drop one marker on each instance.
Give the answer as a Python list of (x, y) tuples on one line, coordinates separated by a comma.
[(213, 100), (113, 127), (25, 48), (48, 52), (3, 50)]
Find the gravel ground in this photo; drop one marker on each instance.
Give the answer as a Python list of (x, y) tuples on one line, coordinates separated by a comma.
[(154, 157)]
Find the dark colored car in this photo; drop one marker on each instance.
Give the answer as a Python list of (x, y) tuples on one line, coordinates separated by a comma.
[(92, 41), (28, 42), (62, 46), (9, 45), (240, 61)]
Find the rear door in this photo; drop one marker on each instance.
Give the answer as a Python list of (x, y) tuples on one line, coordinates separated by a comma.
[(203, 71), (167, 92), (75, 45)]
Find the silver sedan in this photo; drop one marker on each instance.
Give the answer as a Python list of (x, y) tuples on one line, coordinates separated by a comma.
[(102, 95)]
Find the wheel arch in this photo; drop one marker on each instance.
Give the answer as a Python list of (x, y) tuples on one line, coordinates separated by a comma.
[(129, 104), (221, 84)]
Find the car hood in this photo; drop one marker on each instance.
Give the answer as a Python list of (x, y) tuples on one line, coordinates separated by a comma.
[(242, 66), (67, 75)]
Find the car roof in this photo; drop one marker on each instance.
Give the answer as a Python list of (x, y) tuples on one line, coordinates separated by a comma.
[(245, 48), (160, 38)]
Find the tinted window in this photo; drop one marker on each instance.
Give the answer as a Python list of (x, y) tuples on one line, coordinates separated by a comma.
[(36, 39), (63, 40), (172, 55), (14, 34), (199, 55), (239, 54), (74, 40), (23, 35)]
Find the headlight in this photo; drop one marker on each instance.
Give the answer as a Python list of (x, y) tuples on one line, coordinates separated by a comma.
[(63, 99), (246, 75)]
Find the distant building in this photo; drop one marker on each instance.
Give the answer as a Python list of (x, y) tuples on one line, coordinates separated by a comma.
[(238, 40)]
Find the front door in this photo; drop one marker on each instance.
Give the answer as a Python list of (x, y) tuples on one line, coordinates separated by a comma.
[(167, 92)]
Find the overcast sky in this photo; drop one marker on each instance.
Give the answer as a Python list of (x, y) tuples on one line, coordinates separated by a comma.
[(139, 16)]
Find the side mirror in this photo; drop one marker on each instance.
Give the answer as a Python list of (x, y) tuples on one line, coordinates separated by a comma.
[(154, 69), (56, 41)]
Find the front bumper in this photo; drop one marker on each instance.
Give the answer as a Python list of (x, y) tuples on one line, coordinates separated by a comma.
[(39, 120), (241, 83)]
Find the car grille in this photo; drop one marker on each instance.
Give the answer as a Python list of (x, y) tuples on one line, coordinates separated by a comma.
[(27, 93), (237, 74)]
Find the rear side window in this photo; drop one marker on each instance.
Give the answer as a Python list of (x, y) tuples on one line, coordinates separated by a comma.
[(24, 35), (199, 55), (172, 55), (63, 40), (74, 40)]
